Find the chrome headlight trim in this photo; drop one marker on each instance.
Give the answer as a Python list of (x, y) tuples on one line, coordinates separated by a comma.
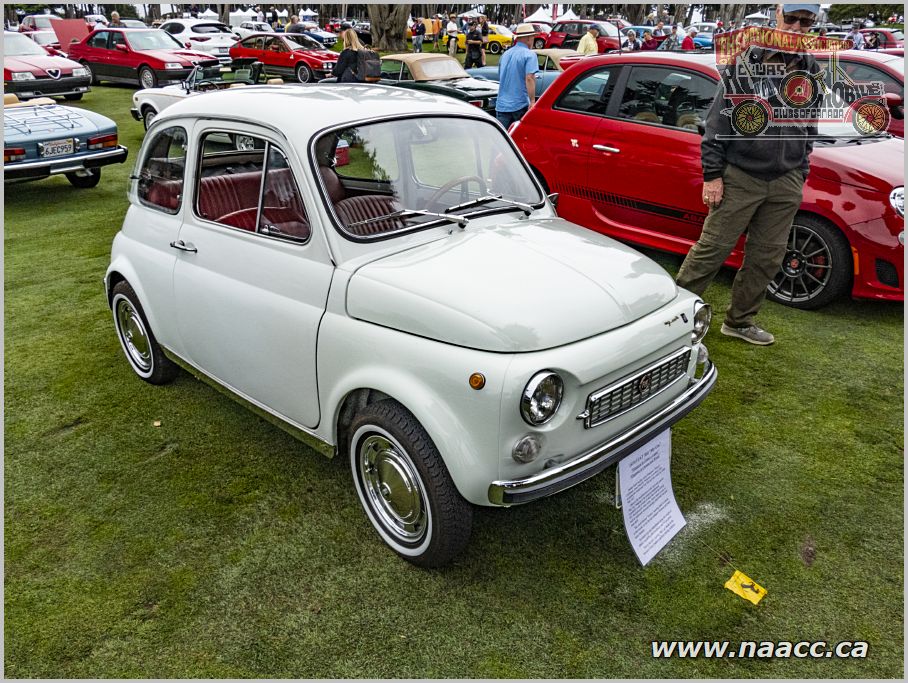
[(897, 199), (703, 314), (541, 398)]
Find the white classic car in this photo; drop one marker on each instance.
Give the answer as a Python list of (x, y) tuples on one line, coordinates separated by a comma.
[(420, 309)]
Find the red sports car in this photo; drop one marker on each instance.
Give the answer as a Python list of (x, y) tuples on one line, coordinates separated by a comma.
[(144, 56), (288, 55), (29, 71), (617, 136), (567, 34)]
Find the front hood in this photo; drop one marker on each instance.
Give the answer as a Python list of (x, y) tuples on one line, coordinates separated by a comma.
[(513, 287), (39, 64), (472, 86), (877, 166), (187, 56)]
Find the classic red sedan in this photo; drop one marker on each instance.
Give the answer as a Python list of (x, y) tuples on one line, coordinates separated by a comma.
[(870, 65), (887, 37), (29, 71), (37, 22), (617, 137), (288, 55), (145, 56), (567, 34)]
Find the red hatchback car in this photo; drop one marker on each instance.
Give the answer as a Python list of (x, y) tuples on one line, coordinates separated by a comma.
[(617, 136), (145, 56), (567, 34), (288, 55)]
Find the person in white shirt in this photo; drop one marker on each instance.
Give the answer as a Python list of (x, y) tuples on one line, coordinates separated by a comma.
[(451, 31), (856, 37)]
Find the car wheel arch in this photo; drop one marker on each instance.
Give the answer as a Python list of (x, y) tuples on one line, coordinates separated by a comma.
[(122, 272)]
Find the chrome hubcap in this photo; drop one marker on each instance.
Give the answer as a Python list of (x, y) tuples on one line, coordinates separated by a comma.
[(806, 268), (135, 339), (147, 79), (393, 489)]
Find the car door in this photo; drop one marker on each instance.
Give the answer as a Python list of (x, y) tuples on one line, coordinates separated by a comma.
[(277, 57), (560, 144), (249, 48), (645, 169), (252, 278), (122, 63), (97, 55)]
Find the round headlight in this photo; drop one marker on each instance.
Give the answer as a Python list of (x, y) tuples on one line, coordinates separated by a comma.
[(541, 398), (703, 314), (897, 199)]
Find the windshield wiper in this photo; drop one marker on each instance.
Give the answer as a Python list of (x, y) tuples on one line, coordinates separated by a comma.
[(526, 208), (410, 213)]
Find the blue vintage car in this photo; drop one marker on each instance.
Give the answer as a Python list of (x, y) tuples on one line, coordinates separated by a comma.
[(42, 138), (549, 68)]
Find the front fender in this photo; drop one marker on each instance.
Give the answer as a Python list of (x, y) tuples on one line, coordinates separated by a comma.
[(429, 378)]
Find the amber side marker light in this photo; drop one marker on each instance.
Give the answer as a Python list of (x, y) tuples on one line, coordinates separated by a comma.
[(477, 381)]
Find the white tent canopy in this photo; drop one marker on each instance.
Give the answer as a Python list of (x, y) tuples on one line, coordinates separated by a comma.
[(568, 16), (471, 14), (208, 13), (238, 17), (540, 15), (756, 15), (282, 13), (308, 13)]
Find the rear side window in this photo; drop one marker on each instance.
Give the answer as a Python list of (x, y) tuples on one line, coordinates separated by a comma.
[(589, 94), (245, 182), (99, 39), (160, 182)]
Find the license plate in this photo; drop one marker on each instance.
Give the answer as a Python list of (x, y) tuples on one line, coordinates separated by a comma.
[(56, 148), (492, 101)]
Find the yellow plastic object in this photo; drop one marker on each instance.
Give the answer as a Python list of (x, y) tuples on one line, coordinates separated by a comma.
[(746, 587)]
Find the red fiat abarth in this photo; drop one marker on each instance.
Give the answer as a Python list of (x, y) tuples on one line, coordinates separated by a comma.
[(618, 137)]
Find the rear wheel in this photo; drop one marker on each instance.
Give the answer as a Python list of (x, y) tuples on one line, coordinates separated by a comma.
[(147, 77), (72, 97), (303, 73), (91, 74), (405, 488), (817, 266), (86, 181), (494, 48)]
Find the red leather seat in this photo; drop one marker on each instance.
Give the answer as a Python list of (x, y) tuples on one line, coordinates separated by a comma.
[(361, 208)]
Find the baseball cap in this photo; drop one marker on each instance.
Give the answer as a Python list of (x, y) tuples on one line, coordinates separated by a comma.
[(813, 9)]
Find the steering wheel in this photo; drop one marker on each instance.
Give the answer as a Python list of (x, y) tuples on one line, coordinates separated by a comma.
[(205, 86), (463, 181)]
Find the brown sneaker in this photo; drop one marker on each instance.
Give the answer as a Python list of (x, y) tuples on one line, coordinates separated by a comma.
[(750, 333)]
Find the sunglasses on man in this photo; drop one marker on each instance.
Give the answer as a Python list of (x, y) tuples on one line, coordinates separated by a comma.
[(794, 19)]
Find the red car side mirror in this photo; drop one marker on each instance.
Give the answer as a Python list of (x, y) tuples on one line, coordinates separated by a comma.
[(188, 45), (121, 47)]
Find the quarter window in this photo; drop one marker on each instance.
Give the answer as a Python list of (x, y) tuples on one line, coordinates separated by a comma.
[(160, 182), (99, 39), (245, 182), (590, 94), (671, 97)]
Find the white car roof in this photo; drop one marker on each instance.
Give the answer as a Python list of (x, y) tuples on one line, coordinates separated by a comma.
[(300, 111)]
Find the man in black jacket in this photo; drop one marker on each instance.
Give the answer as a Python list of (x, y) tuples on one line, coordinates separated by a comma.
[(753, 184)]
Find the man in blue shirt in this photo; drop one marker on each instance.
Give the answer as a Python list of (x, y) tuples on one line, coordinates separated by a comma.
[(517, 78)]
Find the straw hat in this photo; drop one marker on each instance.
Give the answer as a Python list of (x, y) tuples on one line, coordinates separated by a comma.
[(524, 30)]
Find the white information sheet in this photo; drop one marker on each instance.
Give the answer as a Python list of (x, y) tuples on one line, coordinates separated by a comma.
[(651, 514)]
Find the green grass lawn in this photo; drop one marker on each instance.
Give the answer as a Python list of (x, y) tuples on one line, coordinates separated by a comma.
[(216, 545)]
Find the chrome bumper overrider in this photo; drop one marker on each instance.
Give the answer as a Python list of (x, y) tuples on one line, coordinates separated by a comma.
[(591, 463)]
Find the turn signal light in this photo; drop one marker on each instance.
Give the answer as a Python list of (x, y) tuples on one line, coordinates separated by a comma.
[(13, 154), (102, 141), (476, 103)]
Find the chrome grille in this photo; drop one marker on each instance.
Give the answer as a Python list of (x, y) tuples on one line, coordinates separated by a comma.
[(630, 392)]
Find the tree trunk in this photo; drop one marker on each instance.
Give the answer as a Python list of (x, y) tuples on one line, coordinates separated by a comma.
[(223, 14), (680, 12), (389, 26)]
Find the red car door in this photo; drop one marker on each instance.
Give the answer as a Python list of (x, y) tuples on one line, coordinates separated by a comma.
[(557, 140), (96, 55), (277, 57), (249, 48), (645, 169)]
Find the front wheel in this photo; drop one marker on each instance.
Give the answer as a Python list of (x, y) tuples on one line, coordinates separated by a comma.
[(147, 77), (91, 74), (817, 266), (539, 43), (87, 181), (303, 73), (148, 116), (139, 344), (494, 48), (405, 488)]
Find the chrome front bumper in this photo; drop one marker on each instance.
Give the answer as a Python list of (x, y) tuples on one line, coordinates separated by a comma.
[(561, 477)]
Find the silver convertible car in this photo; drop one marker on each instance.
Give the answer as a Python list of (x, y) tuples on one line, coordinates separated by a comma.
[(414, 304)]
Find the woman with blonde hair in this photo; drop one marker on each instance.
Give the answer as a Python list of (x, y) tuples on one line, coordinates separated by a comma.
[(345, 68)]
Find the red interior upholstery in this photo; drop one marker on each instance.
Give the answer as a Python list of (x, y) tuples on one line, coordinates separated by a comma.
[(336, 191), (368, 206)]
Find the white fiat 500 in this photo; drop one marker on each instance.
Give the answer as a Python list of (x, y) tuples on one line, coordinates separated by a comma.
[(379, 271)]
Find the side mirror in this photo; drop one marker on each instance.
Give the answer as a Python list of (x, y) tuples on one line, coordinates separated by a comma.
[(553, 198), (894, 105), (121, 47)]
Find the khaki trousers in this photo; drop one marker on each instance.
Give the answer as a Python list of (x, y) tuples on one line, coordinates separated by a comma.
[(765, 209)]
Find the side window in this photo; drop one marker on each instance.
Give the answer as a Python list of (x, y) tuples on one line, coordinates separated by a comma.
[(671, 97), (405, 73), (99, 39), (390, 69), (275, 45), (117, 38), (589, 94), (251, 188), (160, 183), (864, 73)]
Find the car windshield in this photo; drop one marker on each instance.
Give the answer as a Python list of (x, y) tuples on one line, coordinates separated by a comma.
[(18, 45), (898, 35), (44, 37), (441, 69), (300, 42), (44, 22), (503, 31), (153, 40), (399, 175), (210, 28)]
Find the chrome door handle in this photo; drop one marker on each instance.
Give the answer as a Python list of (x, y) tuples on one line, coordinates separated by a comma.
[(182, 246), (604, 148)]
